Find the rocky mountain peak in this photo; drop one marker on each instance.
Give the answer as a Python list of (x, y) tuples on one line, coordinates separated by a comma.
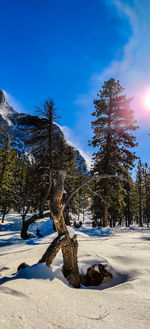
[(2, 97), (6, 110), (19, 127)]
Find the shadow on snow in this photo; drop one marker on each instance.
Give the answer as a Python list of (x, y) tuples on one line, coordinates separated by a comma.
[(42, 272)]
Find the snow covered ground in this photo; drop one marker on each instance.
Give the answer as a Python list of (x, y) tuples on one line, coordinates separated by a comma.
[(40, 298)]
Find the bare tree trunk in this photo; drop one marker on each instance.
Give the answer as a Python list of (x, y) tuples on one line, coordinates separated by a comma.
[(41, 211), (3, 217), (67, 217), (28, 222), (111, 222), (83, 213), (105, 218), (114, 222), (4, 214), (52, 250), (78, 215), (24, 230), (68, 245), (25, 225)]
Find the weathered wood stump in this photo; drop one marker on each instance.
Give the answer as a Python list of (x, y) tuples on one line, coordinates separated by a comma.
[(96, 274)]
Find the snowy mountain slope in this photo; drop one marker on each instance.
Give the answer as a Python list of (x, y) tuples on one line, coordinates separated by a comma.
[(41, 298), (18, 126), (6, 111)]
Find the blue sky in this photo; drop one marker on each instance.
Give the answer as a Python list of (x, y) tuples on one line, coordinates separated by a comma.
[(66, 49)]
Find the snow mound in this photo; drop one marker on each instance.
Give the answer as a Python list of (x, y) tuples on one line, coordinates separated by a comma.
[(86, 262), (117, 277), (45, 226)]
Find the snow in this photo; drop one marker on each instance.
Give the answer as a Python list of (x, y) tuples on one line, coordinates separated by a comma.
[(5, 108), (40, 297), (71, 231), (45, 226)]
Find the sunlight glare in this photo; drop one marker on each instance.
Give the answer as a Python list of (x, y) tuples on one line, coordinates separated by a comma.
[(147, 101)]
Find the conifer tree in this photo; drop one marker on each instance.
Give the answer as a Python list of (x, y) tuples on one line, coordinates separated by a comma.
[(140, 187), (44, 152), (134, 201), (112, 136), (44, 133), (117, 203), (147, 193), (53, 154), (7, 175), (25, 192), (66, 158)]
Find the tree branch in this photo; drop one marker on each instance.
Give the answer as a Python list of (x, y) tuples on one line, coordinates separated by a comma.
[(97, 194), (53, 249), (97, 177)]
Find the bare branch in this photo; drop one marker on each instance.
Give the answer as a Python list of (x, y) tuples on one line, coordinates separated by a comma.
[(53, 249), (95, 193), (93, 178)]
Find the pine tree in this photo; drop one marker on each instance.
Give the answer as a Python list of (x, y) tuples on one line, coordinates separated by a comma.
[(7, 175), (46, 138), (44, 133), (53, 154), (67, 159), (134, 201), (147, 193), (117, 203), (112, 136), (141, 190), (24, 192)]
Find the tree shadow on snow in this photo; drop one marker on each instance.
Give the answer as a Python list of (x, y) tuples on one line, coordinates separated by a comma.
[(96, 231), (41, 272), (13, 292), (10, 241), (13, 225), (147, 238), (36, 271)]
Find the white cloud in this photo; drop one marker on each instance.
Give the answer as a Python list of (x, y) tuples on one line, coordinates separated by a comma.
[(133, 70)]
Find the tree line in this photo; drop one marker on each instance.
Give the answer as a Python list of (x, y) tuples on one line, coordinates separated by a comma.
[(25, 183)]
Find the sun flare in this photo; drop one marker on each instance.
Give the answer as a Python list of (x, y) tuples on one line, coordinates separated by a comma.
[(147, 101)]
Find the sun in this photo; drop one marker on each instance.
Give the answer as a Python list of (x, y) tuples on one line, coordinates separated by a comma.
[(147, 101)]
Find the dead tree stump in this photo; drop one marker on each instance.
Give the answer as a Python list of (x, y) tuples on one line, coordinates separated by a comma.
[(68, 245)]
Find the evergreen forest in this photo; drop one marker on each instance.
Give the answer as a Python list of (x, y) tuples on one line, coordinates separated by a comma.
[(122, 198)]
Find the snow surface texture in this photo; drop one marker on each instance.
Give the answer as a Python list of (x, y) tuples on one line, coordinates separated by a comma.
[(40, 297)]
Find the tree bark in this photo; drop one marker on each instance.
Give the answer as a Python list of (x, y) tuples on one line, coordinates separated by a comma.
[(28, 222), (68, 245), (4, 213), (52, 250), (24, 229), (114, 222), (67, 217), (83, 213), (3, 217), (105, 218)]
